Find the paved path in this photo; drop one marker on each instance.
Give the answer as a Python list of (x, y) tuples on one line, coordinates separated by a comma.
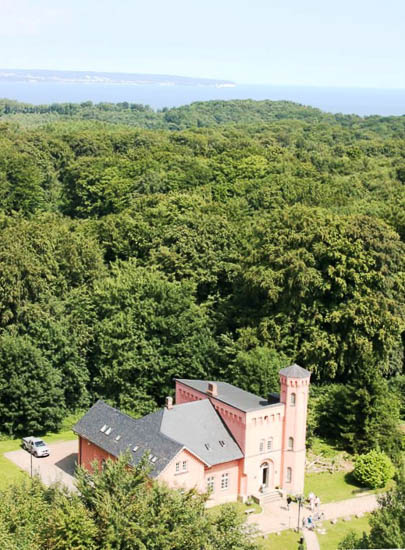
[(58, 466), (311, 539), (275, 517)]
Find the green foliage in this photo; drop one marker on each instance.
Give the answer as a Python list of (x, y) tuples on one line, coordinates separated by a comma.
[(146, 324), (373, 469), (361, 415), (215, 240), (31, 395), (387, 523)]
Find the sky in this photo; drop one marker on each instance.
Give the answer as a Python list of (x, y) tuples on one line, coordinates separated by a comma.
[(356, 43)]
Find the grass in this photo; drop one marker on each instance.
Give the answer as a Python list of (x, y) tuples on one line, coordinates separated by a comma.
[(240, 506), (338, 486), (286, 540), (335, 533), (9, 472)]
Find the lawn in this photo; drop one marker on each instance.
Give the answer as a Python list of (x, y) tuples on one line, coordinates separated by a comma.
[(9, 472), (335, 533), (287, 540), (337, 486), (333, 486), (239, 506)]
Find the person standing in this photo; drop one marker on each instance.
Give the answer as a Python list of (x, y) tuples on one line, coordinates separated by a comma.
[(317, 502), (311, 497), (289, 500)]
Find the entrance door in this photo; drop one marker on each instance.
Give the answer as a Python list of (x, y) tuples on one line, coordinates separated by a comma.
[(265, 475)]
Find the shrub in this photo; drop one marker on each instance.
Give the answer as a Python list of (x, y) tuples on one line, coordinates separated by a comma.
[(373, 469)]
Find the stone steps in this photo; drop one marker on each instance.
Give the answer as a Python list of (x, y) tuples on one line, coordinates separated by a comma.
[(269, 496)]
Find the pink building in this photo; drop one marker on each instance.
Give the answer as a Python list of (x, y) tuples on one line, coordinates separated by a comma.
[(216, 437)]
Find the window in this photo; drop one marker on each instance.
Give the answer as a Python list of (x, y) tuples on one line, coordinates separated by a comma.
[(222, 443), (103, 429), (177, 467), (289, 475), (225, 481), (261, 446), (210, 483), (290, 443), (269, 443), (293, 399), (135, 448), (108, 431), (184, 465)]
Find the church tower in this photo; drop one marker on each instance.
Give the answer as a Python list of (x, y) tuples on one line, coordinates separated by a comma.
[(294, 389)]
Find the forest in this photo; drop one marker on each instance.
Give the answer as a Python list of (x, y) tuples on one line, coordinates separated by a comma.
[(220, 240)]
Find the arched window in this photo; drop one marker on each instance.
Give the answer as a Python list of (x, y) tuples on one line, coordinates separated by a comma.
[(289, 475), (290, 443), (293, 399)]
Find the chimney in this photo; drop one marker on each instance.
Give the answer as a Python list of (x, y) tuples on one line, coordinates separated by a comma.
[(212, 389), (169, 403)]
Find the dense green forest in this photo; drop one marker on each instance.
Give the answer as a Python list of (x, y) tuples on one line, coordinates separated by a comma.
[(219, 240)]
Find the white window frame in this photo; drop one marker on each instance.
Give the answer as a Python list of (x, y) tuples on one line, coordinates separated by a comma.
[(225, 481), (269, 444), (262, 446), (211, 483), (293, 399), (184, 466), (177, 467), (289, 475)]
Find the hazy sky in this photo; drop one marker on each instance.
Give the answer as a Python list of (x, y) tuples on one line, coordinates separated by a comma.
[(304, 42)]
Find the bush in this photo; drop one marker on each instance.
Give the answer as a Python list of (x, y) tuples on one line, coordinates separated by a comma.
[(373, 469)]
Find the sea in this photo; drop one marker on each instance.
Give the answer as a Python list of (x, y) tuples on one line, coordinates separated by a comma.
[(360, 101)]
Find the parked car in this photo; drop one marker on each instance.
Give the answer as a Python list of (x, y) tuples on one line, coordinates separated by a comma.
[(35, 445)]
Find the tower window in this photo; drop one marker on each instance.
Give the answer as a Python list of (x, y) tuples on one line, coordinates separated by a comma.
[(261, 446), (269, 443), (293, 399), (289, 475), (290, 443)]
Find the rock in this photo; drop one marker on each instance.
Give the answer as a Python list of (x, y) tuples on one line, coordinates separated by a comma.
[(333, 521)]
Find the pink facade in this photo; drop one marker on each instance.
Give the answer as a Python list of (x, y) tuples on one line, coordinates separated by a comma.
[(270, 435), (272, 438)]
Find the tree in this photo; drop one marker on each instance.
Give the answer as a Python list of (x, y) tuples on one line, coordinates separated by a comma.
[(387, 522), (325, 288), (148, 330), (31, 395), (373, 469)]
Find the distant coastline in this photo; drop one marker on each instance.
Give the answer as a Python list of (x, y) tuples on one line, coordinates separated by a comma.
[(160, 91), (89, 77)]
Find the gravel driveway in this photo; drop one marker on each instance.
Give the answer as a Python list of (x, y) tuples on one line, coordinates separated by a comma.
[(58, 466)]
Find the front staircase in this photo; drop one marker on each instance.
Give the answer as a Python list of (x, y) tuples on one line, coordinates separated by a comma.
[(268, 496)]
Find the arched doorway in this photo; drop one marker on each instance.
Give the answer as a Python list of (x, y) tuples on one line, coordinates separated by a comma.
[(266, 475)]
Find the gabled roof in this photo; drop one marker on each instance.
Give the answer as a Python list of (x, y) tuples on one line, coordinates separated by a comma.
[(200, 429), (195, 426), (240, 399), (143, 432), (295, 371)]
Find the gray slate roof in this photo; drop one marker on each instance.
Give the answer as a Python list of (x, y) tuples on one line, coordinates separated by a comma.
[(144, 432), (161, 434), (198, 427), (295, 371), (240, 399)]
